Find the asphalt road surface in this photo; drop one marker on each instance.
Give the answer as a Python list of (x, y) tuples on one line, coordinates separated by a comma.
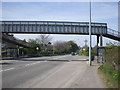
[(64, 71)]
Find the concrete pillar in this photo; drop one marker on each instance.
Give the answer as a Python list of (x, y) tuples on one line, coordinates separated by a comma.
[(97, 48), (101, 40), (18, 51), (0, 44), (97, 43)]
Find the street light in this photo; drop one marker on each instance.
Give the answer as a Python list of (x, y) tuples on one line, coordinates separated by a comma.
[(90, 37), (83, 49)]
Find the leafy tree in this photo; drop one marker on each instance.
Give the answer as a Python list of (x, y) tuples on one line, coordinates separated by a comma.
[(33, 45), (110, 44), (73, 46)]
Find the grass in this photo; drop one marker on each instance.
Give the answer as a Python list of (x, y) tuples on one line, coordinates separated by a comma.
[(111, 76), (86, 53)]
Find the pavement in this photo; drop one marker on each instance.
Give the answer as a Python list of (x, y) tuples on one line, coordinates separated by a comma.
[(63, 71)]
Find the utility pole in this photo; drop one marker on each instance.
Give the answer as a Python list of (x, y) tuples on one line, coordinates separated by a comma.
[(90, 41)]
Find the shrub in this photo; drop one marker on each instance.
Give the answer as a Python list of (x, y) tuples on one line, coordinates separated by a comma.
[(111, 75)]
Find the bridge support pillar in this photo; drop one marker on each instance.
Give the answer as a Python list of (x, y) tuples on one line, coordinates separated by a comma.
[(99, 43), (97, 46), (101, 40), (17, 51)]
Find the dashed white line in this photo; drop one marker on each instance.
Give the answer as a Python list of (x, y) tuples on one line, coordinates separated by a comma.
[(31, 64), (7, 69)]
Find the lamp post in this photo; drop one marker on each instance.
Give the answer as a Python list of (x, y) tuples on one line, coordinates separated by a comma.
[(52, 47), (90, 37)]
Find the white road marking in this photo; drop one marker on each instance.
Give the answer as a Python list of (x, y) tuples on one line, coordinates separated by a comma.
[(82, 59), (59, 57), (7, 69), (31, 64)]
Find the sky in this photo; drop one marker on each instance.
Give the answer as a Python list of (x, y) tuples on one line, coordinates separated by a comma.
[(104, 12)]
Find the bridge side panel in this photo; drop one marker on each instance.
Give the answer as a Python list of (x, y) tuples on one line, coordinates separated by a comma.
[(47, 27)]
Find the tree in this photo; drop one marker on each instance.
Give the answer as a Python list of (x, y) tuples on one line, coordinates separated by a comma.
[(110, 44), (44, 40), (73, 46), (62, 46), (33, 45)]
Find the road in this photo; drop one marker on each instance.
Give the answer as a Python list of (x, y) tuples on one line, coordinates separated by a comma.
[(64, 71)]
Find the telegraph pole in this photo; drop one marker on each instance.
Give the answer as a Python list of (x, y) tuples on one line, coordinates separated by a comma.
[(90, 41)]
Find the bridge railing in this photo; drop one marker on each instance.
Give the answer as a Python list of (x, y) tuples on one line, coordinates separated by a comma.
[(113, 32), (54, 22)]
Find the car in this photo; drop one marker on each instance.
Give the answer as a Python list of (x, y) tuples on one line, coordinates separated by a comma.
[(73, 53)]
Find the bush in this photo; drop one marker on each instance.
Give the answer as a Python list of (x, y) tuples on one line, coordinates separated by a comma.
[(111, 75), (86, 53), (80, 54), (112, 56)]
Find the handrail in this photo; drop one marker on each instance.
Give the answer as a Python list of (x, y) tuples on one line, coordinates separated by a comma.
[(54, 22), (113, 32)]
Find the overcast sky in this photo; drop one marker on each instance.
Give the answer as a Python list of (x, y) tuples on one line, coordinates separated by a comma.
[(104, 12)]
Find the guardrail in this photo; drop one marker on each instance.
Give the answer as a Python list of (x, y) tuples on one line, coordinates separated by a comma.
[(113, 32)]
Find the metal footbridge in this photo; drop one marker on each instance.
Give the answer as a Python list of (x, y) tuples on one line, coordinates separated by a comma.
[(59, 27)]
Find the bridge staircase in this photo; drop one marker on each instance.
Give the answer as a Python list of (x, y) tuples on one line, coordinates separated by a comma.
[(112, 34)]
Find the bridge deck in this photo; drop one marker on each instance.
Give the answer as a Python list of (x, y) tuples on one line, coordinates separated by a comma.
[(52, 27), (58, 27)]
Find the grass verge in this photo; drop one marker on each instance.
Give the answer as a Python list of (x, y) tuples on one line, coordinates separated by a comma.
[(110, 76)]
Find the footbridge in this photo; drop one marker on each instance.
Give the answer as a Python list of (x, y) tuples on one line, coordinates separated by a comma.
[(59, 27)]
